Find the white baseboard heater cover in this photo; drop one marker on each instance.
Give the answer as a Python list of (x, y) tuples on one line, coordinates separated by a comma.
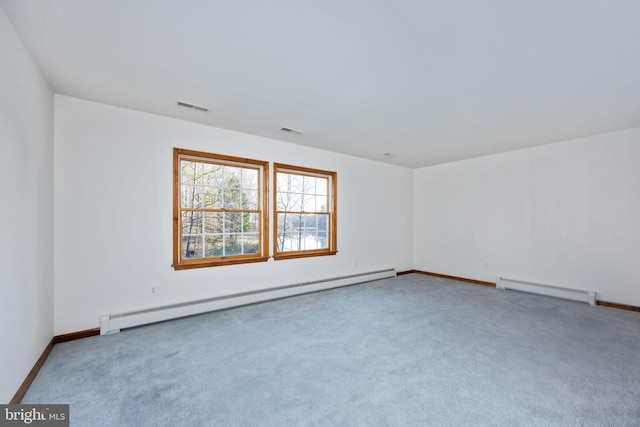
[(552, 291), (113, 323)]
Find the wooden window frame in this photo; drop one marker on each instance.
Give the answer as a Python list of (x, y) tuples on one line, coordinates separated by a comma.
[(263, 209), (332, 210)]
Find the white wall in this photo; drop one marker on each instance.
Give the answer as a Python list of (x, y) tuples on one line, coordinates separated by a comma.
[(113, 213), (566, 214), (26, 213)]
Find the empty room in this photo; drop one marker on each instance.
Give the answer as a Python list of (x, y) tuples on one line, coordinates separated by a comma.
[(319, 213)]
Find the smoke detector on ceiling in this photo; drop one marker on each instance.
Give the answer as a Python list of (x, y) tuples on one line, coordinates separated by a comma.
[(192, 106)]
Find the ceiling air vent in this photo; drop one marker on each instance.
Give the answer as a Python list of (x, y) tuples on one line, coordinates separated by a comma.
[(285, 129), (192, 106)]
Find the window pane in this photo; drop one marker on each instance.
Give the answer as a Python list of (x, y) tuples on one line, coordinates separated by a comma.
[(232, 188), (190, 172), (233, 244), (282, 201), (295, 202), (322, 204), (232, 199), (322, 240), (250, 199), (212, 175), (322, 186), (285, 223), (310, 185), (295, 183), (250, 179), (213, 245), (191, 246), (322, 222), (188, 197), (251, 243), (309, 203), (310, 223), (210, 197), (232, 178), (282, 182), (233, 222), (213, 222), (191, 222), (251, 223), (289, 242), (288, 221), (309, 243), (312, 236)]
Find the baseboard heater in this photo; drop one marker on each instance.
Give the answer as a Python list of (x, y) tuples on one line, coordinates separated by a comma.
[(113, 323), (552, 291)]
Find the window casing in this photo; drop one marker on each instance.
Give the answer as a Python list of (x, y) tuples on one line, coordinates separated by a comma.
[(305, 212), (220, 210)]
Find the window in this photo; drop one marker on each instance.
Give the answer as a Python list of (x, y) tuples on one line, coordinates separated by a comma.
[(219, 210), (305, 209)]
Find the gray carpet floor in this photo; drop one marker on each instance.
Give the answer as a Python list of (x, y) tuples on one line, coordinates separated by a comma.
[(409, 351)]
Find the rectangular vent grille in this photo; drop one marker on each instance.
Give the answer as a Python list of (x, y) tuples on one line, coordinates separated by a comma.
[(291, 130), (192, 106)]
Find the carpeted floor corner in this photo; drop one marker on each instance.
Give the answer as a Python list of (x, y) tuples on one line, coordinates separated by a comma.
[(409, 351)]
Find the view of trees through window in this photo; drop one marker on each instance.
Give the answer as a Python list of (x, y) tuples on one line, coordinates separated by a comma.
[(305, 211), (219, 210)]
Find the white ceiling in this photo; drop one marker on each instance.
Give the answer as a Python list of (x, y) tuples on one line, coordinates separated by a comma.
[(426, 81)]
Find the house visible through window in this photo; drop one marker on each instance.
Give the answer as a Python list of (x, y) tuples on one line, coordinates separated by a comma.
[(305, 209), (220, 210)]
